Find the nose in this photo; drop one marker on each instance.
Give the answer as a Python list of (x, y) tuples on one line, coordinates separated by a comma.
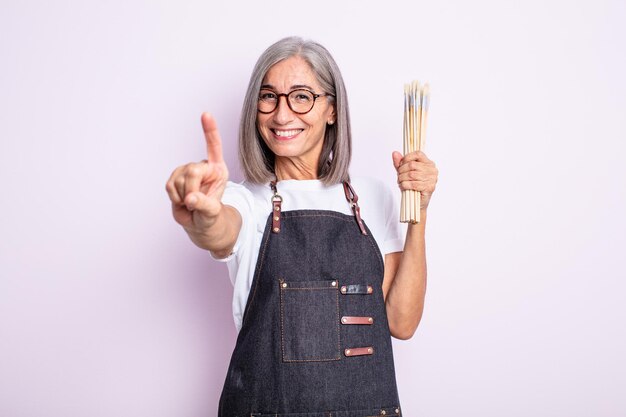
[(283, 113)]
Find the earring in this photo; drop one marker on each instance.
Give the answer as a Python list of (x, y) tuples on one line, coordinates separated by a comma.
[(331, 122)]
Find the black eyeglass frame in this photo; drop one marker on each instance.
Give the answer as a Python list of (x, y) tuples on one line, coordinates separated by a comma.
[(286, 95)]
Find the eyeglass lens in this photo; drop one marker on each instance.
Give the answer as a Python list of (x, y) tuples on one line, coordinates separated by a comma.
[(300, 101)]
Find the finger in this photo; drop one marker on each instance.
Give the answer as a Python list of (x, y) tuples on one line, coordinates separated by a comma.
[(203, 206), (396, 157), (412, 166), (408, 185), (416, 185), (411, 176), (174, 191), (415, 156), (212, 137), (181, 214), (195, 175), (427, 179)]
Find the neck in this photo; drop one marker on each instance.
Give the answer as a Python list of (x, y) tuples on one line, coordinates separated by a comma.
[(294, 169)]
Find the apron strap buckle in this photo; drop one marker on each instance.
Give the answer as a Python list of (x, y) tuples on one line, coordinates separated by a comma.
[(277, 201), (353, 199)]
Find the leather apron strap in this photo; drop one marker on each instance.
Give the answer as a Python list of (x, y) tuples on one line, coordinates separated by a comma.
[(351, 197)]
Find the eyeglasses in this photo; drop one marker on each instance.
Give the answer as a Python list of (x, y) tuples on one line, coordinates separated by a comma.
[(299, 101)]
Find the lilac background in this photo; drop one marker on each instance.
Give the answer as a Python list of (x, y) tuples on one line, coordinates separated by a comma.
[(107, 309)]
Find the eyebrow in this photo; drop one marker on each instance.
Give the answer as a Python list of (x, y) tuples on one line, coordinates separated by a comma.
[(293, 87)]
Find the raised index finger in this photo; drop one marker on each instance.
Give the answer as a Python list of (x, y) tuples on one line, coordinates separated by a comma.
[(212, 137)]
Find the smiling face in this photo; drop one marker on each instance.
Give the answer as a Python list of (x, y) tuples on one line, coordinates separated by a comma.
[(296, 139)]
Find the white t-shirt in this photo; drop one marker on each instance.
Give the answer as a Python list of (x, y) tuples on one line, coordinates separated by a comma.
[(379, 210)]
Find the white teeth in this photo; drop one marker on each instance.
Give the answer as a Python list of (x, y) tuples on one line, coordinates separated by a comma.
[(287, 133)]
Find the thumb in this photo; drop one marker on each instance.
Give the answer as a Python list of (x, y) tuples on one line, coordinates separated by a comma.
[(202, 204), (397, 158)]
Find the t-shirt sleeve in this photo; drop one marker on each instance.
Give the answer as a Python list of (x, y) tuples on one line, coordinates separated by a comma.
[(239, 197), (395, 232)]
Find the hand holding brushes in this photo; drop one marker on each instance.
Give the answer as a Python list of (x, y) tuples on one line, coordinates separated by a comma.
[(416, 102)]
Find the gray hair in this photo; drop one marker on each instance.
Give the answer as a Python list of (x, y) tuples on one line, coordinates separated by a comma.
[(257, 160)]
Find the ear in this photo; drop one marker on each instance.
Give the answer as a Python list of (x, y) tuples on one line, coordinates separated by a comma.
[(332, 117)]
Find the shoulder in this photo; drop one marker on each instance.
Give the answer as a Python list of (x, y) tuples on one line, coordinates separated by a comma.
[(243, 196), (370, 188), (376, 197), (243, 187), (380, 210)]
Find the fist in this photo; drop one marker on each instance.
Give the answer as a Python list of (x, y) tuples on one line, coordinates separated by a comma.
[(416, 172)]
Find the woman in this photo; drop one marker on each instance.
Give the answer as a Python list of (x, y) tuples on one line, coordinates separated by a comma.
[(314, 303)]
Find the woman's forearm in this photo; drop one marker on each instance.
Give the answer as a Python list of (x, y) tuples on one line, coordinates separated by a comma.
[(406, 293), (219, 237)]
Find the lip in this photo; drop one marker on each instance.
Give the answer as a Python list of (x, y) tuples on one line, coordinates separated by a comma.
[(293, 133)]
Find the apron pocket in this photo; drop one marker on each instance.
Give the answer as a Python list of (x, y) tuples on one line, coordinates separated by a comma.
[(309, 320)]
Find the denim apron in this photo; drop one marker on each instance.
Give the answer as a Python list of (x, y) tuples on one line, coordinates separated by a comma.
[(314, 340)]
